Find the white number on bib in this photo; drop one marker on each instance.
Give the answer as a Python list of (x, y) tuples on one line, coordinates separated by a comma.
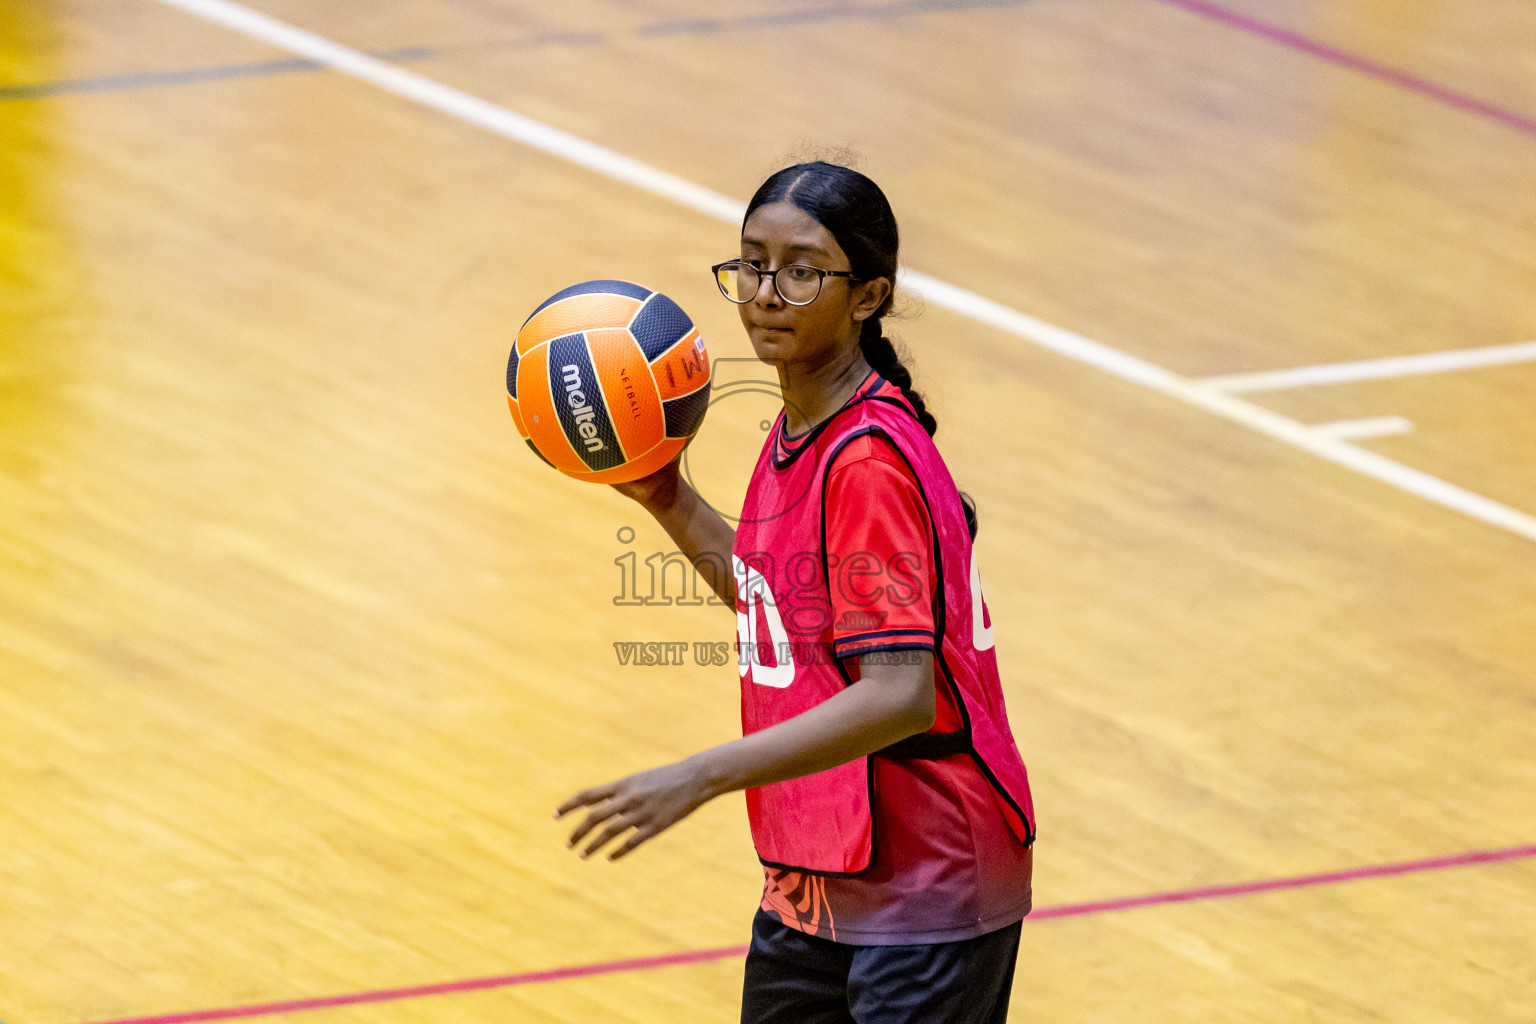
[(981, 633), (753, 593)]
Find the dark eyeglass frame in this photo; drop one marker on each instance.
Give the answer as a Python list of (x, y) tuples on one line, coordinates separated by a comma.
[(773, 275)]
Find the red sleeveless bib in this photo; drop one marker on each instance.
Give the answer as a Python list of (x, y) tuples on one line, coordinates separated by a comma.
[(824, 823)]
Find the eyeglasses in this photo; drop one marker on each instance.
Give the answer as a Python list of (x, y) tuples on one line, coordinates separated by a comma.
[(796, 283)]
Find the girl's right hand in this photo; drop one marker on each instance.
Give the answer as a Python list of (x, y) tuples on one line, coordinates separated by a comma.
[(656, 490)]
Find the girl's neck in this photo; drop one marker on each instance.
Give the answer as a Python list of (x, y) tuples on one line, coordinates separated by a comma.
[(812, 395)]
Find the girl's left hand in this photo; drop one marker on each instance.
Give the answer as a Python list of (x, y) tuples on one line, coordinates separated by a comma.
[(649, 802)]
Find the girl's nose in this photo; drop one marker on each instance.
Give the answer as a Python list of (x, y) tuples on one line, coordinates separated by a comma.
[(767, 290)]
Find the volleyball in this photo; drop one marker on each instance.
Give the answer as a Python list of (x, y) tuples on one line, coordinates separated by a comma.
[(608, 381)]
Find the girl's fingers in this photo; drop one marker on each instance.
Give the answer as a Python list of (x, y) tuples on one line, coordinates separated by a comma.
[(614, 827), (586, 798), (592, 820), (640, 836), (615, 808)]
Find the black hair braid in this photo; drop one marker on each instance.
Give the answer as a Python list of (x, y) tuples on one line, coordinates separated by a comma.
[(880, 353), (859, 216)]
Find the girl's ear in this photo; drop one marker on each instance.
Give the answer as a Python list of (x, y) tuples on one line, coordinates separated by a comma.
[(874, 295)]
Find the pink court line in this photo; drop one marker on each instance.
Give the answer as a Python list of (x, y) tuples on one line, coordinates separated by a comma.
[(389, 995), (1344, 59), (1459, 860), (444, 988)]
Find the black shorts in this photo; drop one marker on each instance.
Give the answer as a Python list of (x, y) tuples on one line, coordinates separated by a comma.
[(795, 978)]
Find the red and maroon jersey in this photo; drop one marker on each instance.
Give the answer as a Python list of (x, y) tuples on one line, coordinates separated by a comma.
[(883, 850), (879, 547)]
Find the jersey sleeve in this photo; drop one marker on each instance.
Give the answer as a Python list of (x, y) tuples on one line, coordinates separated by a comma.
[(879, 539)]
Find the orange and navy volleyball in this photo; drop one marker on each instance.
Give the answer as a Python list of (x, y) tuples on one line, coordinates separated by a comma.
[(608, 381)]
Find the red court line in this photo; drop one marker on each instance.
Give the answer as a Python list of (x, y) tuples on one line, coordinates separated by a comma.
[(1354, 62), (1209, 892), (390, 995)]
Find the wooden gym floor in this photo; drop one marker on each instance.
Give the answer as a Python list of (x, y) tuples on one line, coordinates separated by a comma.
[(300, 647)]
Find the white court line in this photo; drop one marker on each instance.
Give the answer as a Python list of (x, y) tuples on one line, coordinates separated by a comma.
[(1355, 430), (465, 107), (609, 163), (1376, 369)]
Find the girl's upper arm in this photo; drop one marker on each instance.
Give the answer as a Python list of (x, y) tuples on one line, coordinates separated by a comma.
[(880, 563)]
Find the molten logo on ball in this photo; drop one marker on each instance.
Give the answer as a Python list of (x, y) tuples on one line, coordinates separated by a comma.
[(608, 381), (579, 406)]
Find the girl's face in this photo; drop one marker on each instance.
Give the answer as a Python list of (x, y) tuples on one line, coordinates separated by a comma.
[(776, 235)]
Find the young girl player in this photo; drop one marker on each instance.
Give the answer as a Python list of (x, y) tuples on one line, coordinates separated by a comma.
[(887, 799)]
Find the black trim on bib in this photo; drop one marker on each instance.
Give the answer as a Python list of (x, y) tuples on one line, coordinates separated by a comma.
[(911, 645), (928, 746), (923, 746), (869, 782), (940, 621), (884, 632), (808, 438)]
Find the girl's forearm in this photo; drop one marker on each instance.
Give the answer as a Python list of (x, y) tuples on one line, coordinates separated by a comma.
[(890, 703), (699, 533)]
